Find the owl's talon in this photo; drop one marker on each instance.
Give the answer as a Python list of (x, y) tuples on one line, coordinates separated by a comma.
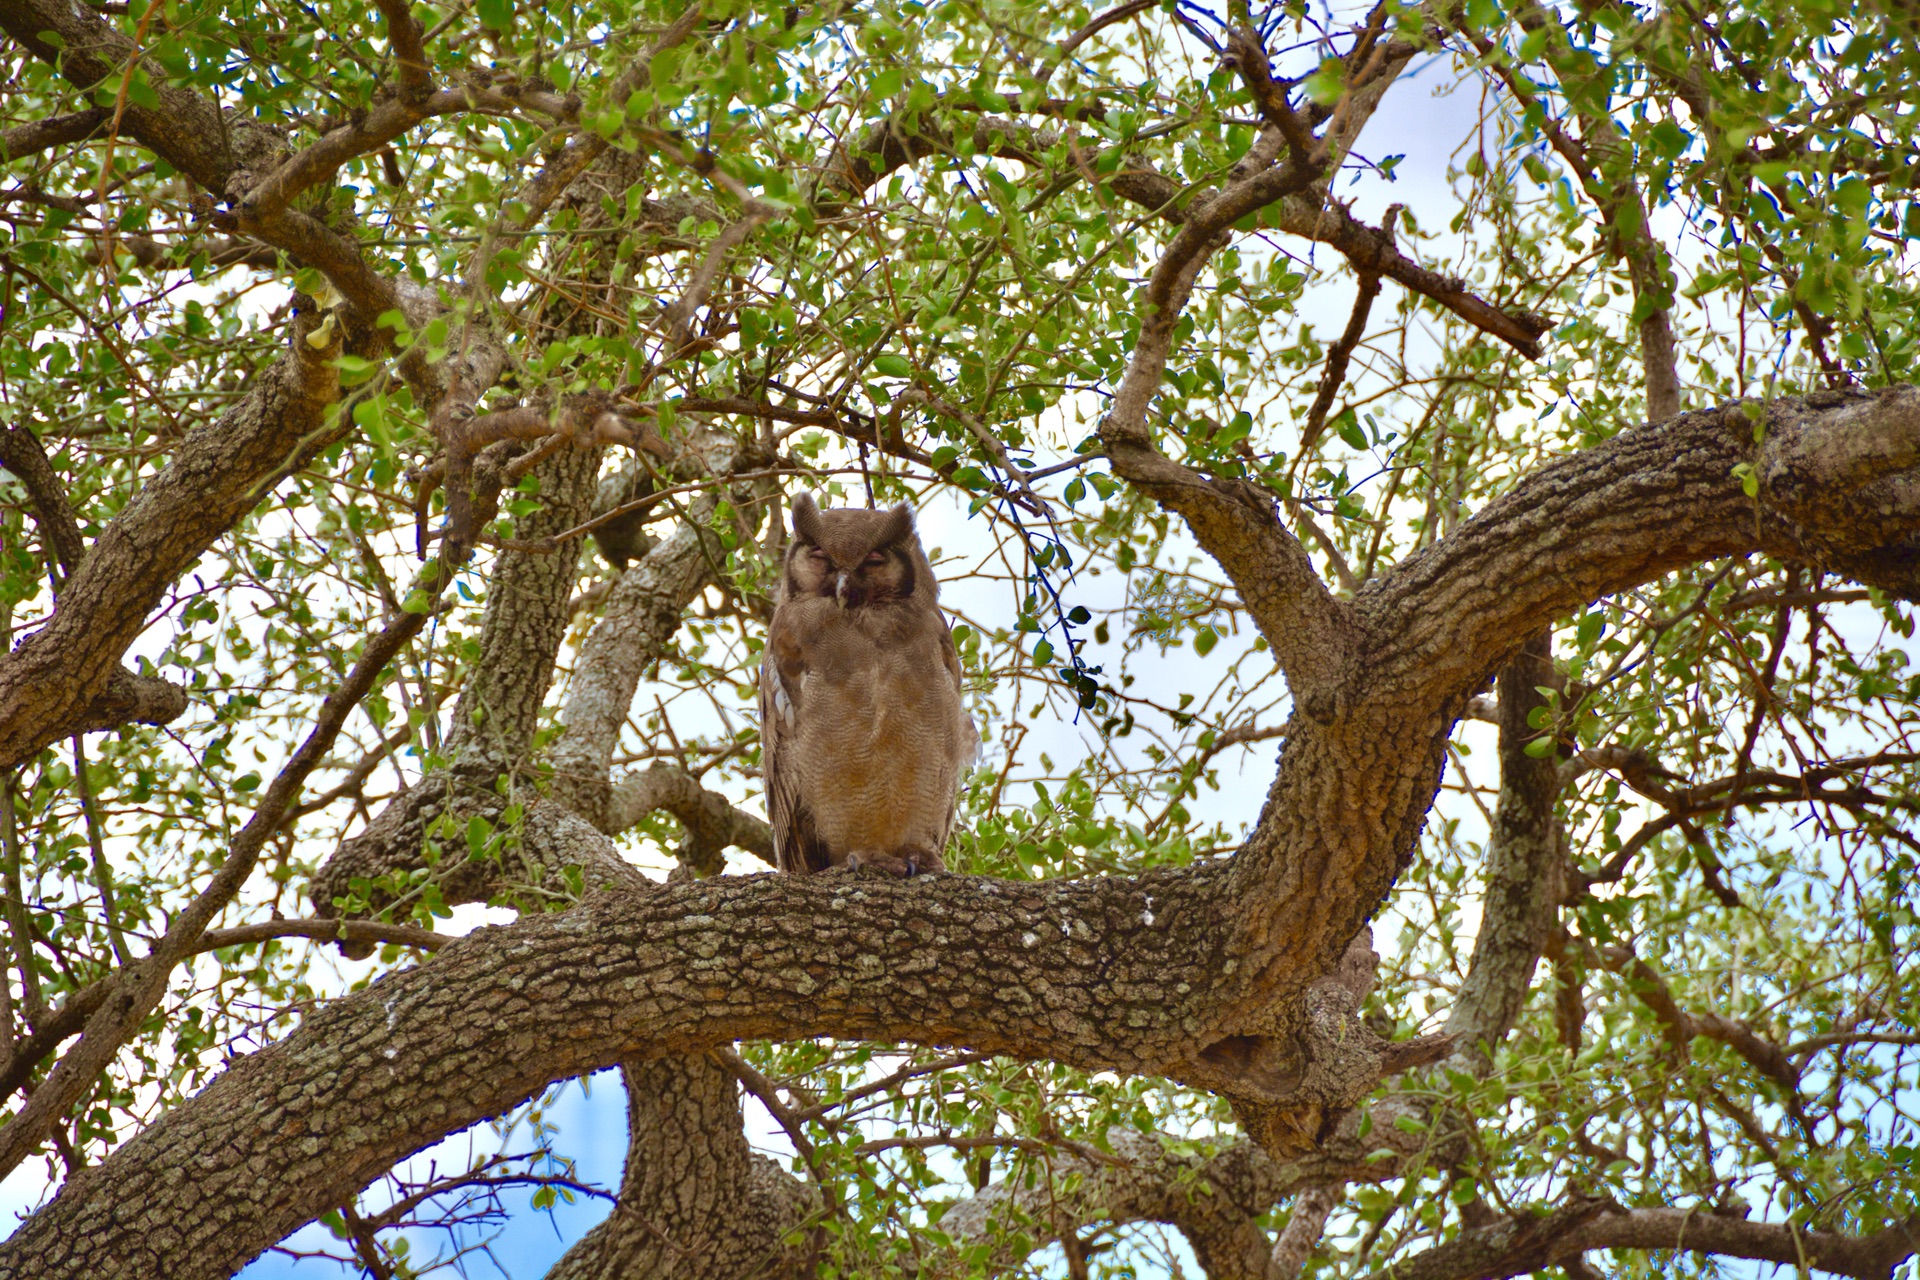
[(923, 862)]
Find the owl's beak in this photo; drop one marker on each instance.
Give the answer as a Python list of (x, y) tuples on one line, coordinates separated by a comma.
[(840, 589)]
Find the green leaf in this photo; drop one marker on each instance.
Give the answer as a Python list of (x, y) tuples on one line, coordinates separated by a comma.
[(1669, 139), (893, 366), (1325, 85), (1347, 426)]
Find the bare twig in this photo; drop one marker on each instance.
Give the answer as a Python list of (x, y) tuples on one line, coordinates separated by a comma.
[(143, 984)]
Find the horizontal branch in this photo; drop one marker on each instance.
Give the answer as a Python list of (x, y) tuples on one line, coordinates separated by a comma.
[(1102, 973), (1518, 1246), (54, 131), (1835, 480)]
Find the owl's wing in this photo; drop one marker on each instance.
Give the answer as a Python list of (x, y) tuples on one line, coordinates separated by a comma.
[(797, 849), (969, 733), (968, 754)]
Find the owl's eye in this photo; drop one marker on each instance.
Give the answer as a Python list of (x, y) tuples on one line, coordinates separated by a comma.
[(818, 554), (875, 557)]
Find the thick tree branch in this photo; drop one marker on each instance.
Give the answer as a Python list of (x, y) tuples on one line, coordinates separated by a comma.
[(1104, 973), (55, 131), (1234, 522), (695, 1201), (233, 156), (494, 721), (1837, 483), (1517, 1246), (640, 617), (1524, 856), (50, 684)]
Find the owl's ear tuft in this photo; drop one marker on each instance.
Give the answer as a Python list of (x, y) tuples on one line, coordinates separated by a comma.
[(898, 528), (806, 519)]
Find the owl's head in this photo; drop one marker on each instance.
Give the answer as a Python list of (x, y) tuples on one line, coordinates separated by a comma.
[(857, 557)]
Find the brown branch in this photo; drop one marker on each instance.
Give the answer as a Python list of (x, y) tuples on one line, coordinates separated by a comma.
[(1680, 1028), (364, 767), (559, 173), (408, 39), (643, 612), (61, 679), (713, 824), (1342, 352), (1836, 484), (360, 931), (22, 454), (1065, 48), (1868, 1257), (1803, 1049), (55, 131), (1523, 861), (365, 1245), (884, 435), (678, 318), (586, 421), (1246, 55), (1517, 1246), (1014, 484), (1233, 521), (1622, 209), (1305, 1226)]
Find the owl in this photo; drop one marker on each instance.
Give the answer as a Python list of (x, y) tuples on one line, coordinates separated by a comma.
[(864, 736)]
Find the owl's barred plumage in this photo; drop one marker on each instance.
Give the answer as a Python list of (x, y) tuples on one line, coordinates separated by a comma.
[(864, 735)]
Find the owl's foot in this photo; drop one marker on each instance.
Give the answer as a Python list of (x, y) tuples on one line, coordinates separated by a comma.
[(910, 861)]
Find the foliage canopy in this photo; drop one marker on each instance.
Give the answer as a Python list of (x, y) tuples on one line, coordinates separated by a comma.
[(399, 412)]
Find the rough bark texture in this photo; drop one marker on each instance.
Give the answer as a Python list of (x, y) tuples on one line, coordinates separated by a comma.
[(1523, 864), (1518, 1246), (493, 722), (695, 1202), (642, 614), (1235, 977), (1107, 973)]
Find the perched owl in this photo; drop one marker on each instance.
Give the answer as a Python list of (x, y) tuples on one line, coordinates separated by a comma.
[(864, 737)]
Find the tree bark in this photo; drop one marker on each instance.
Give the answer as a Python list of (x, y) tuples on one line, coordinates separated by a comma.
[(695, 1202)]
